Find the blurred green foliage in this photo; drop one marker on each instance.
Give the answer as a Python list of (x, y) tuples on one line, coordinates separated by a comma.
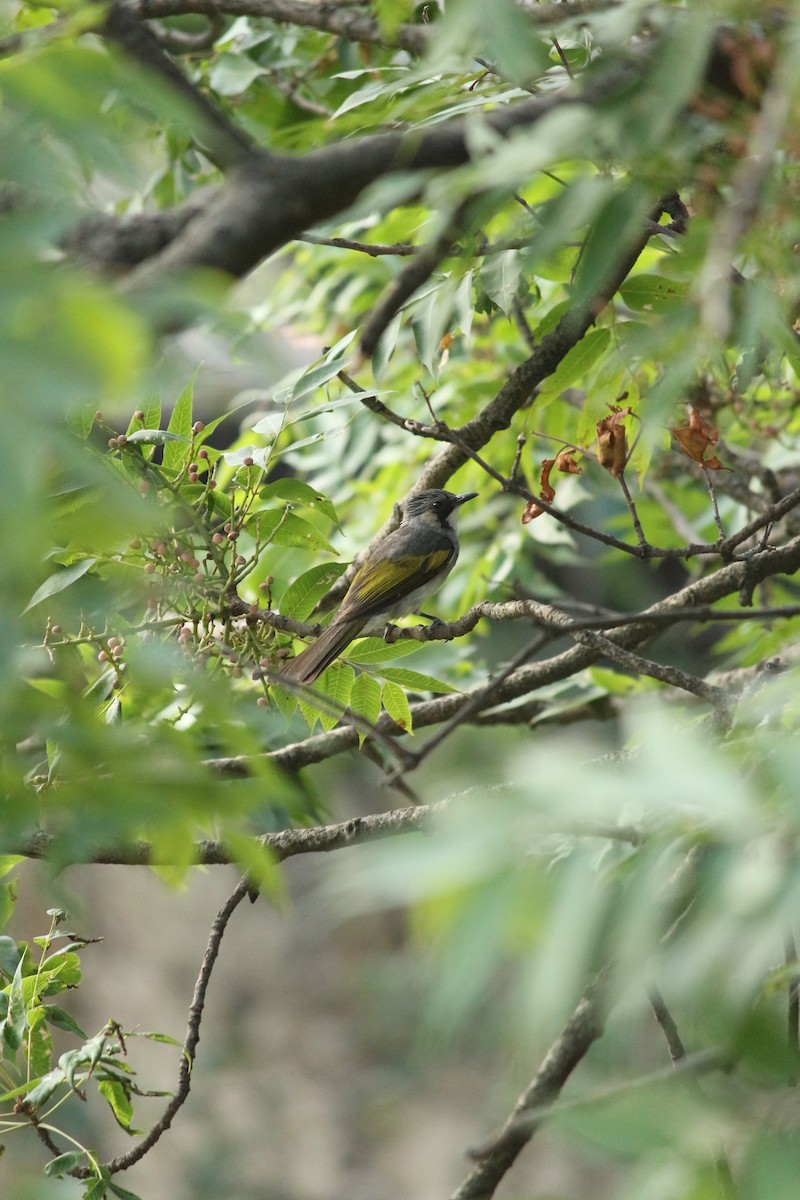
[(128, 536)]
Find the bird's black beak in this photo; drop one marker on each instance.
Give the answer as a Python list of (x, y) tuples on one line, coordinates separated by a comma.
[(464, 497)]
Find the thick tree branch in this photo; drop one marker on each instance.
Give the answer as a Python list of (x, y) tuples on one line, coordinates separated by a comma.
[(224, 142), (270, 201), (339, 20)]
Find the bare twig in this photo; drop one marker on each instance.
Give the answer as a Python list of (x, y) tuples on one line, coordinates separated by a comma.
[(635, 664), (792, 1009), (319, 839), (123, 1161), (664, 1018), (583, 1028)]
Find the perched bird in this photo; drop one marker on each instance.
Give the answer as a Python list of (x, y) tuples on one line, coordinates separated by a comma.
[(407, 566)]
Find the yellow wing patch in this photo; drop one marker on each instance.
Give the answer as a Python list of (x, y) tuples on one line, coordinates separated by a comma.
[(379, 584)]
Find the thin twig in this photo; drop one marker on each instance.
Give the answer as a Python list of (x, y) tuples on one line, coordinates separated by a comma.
[(635, 664), (637, 525), (583, 1028), (123, 1161), (664, 1018), (479, 699), (319, 839), (792, 1010), (713, 494)]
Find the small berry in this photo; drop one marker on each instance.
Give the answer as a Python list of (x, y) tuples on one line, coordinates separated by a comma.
[(199, 577), (149, 568), (263, 587), (198, 427), (202, 453), (112, 443), (262, 701), (240, 560), (248, 462), (192, 468), (56, 631), (194, 477), (212, 483), (232, 536), (217, 538), (135, 544), (122, 440), (138, 415), (102, 656)]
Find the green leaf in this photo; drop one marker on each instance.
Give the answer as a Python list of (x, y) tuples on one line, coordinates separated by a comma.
[(119, 1101), (8, 896), (415, 681), (63, 1020), (59, 581), (581, 358), (285, 528), (302, 596), (121, 1192), (10, 955), (163, 1038), (365, 700), (396, 704), (653, 293), (180, 423), (64, 1163), (500, 278), (96, 1190), (315, 377), (615, 226), (336, 683), (376, 650), (46, 1086), (13, 1027), (299, 492)]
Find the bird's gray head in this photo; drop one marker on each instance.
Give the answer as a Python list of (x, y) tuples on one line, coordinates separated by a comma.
[(435, 505)]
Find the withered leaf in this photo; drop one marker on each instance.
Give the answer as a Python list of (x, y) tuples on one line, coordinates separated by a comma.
[(696, 438), (612, 441)]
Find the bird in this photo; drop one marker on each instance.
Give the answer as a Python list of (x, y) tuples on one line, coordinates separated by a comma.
[(413, 561)]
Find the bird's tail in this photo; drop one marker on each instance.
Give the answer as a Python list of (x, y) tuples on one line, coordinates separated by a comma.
[(332, 642)]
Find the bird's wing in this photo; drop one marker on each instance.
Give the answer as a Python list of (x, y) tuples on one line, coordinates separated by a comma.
[(380, 586)]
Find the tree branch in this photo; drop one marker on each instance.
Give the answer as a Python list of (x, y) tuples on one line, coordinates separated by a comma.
[(188, 1054), (700, 593), (583, 1028)]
